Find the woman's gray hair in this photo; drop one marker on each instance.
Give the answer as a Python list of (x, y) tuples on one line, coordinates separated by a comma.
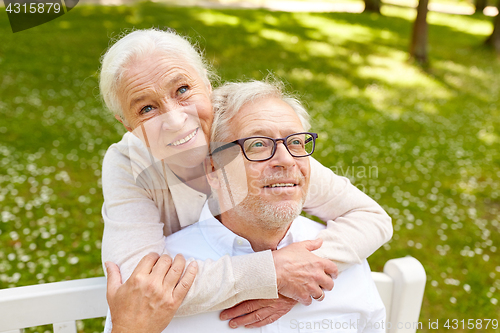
[(138, 44), (228, 99)]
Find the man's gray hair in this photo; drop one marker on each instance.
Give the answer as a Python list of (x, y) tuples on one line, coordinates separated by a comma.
[(228, 99), (140, 43)]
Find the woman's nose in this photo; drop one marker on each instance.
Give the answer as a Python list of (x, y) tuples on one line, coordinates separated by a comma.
[(174, 119)]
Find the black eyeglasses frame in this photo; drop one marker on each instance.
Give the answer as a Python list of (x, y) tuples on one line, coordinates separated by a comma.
[(241, 142)]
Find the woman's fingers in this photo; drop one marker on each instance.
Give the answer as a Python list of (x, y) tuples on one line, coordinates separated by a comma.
[(186, 281), (146, 264), (160, 269), (301, 273), (174, 274), (142, 303), (114, 278)]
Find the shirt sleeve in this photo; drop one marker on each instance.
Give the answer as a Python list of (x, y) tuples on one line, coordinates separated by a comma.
[(356, 225), (133, 228)]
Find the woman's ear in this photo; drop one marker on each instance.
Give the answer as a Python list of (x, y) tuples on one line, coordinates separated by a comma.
[(128, 128), (211, 172)]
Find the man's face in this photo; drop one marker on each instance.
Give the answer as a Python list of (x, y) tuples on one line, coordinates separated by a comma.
[(277, 187)]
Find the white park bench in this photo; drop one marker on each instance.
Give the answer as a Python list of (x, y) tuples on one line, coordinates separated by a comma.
[(401, 287)]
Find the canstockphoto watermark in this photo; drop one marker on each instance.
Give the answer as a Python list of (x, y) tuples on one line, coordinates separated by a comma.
[(358, 172), (25, 14), (351, 324), (354, 173)]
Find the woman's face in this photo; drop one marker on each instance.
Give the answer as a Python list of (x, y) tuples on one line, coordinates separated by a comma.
[(167, 105)]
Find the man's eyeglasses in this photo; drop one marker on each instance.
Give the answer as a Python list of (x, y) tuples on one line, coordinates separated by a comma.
[(263, 148)]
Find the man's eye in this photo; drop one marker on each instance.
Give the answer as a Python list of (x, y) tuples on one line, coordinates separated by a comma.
[(146, 109), (182, 90), (297, 140), (257, 144)]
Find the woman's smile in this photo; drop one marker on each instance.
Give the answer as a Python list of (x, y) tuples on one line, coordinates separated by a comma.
[(185, 139)]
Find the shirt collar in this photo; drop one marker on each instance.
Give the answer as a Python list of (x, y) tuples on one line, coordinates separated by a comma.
[(224, 241)]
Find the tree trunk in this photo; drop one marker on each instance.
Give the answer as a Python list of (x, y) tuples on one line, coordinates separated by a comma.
[(494, 39), (372, 6), (418, 46), (480, 6)]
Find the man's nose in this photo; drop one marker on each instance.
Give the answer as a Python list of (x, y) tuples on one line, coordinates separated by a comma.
[(282, 157), (174, 119)]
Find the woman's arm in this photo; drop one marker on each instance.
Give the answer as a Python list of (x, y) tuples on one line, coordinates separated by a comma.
[(133, 229), (356, 225)]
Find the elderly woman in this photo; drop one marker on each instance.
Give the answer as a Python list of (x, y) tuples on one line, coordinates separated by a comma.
[(158, 86)]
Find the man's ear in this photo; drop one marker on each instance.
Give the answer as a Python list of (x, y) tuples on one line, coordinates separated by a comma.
[(211, 172), (121, 121)]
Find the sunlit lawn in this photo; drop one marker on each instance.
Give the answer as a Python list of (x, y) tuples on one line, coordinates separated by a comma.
[(423, 144)]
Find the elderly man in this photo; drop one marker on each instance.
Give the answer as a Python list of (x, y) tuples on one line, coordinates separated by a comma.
[(263, 164)]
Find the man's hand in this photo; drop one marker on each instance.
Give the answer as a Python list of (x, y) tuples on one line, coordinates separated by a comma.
[(149, 299), (258, 312), (301, 274)]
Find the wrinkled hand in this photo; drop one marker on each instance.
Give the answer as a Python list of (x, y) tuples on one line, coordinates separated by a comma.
[(301, 274), (257, 312), (148, 300)]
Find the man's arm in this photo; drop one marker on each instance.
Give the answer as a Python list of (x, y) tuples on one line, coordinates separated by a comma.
[(356, 225)]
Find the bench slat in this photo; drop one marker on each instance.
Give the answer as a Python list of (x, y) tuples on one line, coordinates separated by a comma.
[(49, 303), (66, 327), (401, 288)]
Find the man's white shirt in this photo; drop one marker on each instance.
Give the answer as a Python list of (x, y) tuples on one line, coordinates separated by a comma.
[(353, 305)]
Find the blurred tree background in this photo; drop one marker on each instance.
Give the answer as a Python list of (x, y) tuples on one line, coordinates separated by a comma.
[(422, 141)]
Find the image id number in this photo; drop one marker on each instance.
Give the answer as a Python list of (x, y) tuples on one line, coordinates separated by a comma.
[(471, 324), (33, 8)]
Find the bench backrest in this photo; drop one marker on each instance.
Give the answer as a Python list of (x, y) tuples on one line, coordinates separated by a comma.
[(401, 287)]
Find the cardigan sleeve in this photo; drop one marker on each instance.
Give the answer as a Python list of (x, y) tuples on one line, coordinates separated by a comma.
[(133, 228), (356, 224)]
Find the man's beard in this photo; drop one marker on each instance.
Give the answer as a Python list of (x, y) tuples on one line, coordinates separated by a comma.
[(268, 215)]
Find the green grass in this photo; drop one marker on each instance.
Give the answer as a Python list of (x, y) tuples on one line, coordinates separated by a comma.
[(427, 141)]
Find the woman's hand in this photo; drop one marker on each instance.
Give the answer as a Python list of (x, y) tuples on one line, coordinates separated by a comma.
[(257, 312), (148, 300), (301, 274)]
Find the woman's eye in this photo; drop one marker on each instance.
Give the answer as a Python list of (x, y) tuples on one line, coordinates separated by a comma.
[(258, 144), (146, 109), (182, 90)]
